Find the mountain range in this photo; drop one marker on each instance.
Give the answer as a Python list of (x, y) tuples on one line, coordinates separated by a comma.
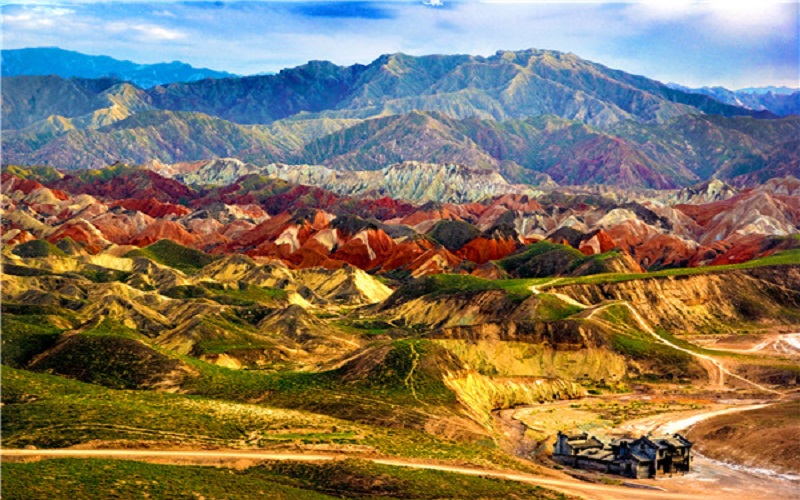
[(536, 117), (70, 64), (779, 100)]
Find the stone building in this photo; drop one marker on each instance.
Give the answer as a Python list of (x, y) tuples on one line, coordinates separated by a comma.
[(636, 458)]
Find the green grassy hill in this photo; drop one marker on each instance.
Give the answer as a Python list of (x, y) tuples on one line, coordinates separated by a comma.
[(174, 255)]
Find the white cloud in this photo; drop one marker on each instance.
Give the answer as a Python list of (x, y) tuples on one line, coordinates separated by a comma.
[(38, 17), (154, 32), (164, 13), (745, 16), (144, 31), (729, 16)]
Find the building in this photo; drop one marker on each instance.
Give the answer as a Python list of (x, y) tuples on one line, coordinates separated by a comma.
[(636, 458)]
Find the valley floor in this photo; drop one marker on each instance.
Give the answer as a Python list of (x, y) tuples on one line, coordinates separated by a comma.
[(240, 458), (710, 479)]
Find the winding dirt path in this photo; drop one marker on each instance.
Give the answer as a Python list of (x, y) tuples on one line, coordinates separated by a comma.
[(570, 486), (723, 371), (787, 344), (566, 298), (705, 359)]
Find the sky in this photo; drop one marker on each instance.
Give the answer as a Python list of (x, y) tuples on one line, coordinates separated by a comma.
[(729, 43)]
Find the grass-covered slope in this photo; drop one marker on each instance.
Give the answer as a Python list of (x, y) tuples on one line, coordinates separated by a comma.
[(114, 356), (453, 234), (174, 255), (542, 259), (37, 249), (232, 408), (77, 478), (25, 336)]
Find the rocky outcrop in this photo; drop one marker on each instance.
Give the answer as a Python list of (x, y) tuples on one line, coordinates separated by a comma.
[(449, 310), (481, 395), (348, 285), (413, 181), (523, 358)]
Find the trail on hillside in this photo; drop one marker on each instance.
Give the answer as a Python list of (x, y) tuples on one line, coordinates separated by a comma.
[(723, 371), (566, 298), (409, 380), (704, 358)]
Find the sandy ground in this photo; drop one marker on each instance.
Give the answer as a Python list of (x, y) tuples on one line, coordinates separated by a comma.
[(774, 344)]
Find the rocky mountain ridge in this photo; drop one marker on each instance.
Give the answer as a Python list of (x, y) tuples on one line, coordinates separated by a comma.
[(411, 181), (534, 116)]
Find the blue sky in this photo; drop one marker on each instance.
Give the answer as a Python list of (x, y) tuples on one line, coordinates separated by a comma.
[(716, 42)]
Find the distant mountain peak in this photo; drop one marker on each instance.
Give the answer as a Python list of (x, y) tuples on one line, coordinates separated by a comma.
[(781, 101), (70, 64)]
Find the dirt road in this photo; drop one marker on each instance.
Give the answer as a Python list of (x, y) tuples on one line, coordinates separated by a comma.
[(679, 425), (221, 457)]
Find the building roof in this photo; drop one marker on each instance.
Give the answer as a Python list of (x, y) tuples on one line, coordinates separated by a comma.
[(584, 444), (595, 454), (581, 445), (673, 442), (682, 439), (639, 456), (655, 443)]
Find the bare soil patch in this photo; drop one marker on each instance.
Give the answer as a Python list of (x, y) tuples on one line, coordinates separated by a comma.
[(766, 438)]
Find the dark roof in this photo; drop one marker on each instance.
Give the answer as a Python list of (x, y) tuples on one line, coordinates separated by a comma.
[(584, 444), (655, 443), (595, 454), (682, 439), (672, 442), (641, 457)]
